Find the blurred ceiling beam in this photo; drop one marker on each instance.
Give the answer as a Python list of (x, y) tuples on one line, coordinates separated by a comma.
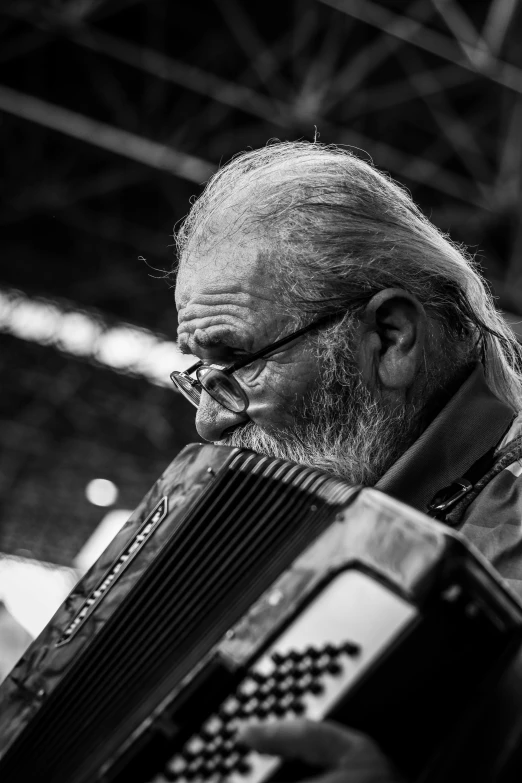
[(321, 71), (87, 335), (458, 131), (116, 140), (257, 105), (57, 194), (473, 45), (190, 76), (375, 99), (262, 56), (508, 185), (497, 22), (431, 41), (371, 56)]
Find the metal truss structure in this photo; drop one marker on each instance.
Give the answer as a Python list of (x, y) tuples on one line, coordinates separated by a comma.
[(114, 112)]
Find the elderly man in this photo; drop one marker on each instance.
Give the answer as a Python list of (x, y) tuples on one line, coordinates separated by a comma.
[(335, 326)]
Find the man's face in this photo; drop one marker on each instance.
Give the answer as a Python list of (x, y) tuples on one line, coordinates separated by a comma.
[(307, 403), (227, 308)]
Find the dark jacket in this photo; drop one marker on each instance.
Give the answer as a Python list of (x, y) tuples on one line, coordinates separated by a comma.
[(473, 423)]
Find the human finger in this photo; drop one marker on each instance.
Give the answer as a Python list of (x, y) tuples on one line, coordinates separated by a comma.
[(318, 743)]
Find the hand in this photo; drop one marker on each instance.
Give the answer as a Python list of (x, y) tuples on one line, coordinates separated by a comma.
[(346, 755)]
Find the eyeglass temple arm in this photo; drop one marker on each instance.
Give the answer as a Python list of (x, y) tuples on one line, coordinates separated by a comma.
[(269, 348), (188, 370)]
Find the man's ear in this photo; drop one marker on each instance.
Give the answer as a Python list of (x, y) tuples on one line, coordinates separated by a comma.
[(393, 341)]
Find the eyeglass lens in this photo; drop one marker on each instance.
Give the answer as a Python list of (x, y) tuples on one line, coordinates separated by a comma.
[(189, 390), (223, 388)]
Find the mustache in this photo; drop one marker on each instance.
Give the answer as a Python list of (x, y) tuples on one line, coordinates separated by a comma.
[(349, 435), (282, 444)]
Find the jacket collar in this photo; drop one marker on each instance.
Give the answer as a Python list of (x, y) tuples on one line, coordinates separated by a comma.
[(471, 423)]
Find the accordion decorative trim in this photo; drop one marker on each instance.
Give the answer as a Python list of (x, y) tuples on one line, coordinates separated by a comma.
[(115, 571)]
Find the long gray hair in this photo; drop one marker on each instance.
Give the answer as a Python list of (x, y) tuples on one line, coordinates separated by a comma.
[(337, 231)]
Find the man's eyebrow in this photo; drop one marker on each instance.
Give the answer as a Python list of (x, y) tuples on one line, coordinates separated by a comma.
[(214, 344), (182, 347)]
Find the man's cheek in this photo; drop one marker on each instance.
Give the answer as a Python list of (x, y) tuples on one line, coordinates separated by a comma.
[(275, 403), (292, 383)]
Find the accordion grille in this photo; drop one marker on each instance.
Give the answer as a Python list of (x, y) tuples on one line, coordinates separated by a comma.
[(243, 531)]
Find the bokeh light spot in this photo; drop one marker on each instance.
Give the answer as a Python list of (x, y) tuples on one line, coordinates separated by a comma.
[(101, 492)]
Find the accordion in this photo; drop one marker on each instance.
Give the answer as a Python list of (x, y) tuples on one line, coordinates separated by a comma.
[(245, 587)]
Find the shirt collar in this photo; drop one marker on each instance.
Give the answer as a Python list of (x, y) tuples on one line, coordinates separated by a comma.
[(471, 423)]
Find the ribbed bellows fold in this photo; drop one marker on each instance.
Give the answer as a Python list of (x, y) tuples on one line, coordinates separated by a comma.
[(249, 525)]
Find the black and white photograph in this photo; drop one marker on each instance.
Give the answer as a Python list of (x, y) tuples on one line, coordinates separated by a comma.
[(261, 391)]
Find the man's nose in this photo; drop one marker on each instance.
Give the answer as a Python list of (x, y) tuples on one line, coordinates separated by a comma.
[(214, 422)]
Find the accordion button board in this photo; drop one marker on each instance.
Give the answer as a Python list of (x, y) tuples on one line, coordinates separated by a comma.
[(304, 673)]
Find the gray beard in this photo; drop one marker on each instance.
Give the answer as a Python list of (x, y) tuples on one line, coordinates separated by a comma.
[(342, 430)]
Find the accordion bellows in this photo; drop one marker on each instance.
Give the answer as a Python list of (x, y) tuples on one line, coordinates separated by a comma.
[(228, 556)]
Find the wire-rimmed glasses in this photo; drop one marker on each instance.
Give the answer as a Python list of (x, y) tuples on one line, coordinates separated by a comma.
[(218, 381)]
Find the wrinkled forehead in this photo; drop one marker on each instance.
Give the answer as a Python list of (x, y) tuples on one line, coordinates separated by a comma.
[(235, 264), (226, 248), (225, 296)]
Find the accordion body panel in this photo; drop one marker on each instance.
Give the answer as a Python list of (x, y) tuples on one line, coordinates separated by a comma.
[(232, 563)]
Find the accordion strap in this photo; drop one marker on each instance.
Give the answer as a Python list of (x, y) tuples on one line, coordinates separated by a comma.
[(450, 503)]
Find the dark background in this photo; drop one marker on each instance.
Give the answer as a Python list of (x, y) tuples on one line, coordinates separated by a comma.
[(112, 115)]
